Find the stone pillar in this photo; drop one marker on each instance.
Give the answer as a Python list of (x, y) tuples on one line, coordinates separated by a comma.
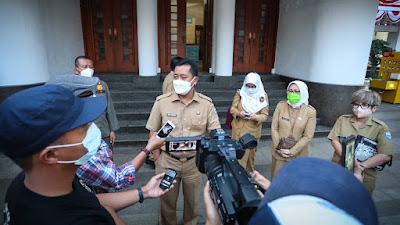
[(147, 37), (225, 34)]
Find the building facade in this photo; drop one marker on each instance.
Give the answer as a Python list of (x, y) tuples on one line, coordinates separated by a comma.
[(325, 43)]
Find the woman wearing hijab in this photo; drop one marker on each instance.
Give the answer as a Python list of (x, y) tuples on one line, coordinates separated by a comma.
[(293, 119), (249, 110)]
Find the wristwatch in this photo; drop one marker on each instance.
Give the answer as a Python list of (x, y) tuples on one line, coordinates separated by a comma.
[(140, 192), (145, 150)]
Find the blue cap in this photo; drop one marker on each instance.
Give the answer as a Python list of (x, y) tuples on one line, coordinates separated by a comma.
[(32, 119), (321, 186)]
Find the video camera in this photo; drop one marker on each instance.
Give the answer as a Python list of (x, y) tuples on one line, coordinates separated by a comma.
[(232, 187)]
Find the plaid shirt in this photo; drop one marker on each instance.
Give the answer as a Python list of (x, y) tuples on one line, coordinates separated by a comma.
[(101, 171)]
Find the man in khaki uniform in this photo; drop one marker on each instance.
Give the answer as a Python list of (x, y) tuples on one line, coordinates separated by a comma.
[(168, 80), (193, 114), (371, 128), (107, 122)]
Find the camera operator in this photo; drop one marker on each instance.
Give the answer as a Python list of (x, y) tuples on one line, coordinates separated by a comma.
[(299, 194)]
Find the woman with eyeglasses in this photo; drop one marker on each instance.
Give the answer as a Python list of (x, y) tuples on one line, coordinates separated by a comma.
[(249, 111), (364, 102), (293, 124)]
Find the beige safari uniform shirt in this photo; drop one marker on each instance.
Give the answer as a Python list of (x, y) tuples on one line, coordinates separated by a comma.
[(194, 119), (241, 126), (168, 85), (303, 130), (373, 129)]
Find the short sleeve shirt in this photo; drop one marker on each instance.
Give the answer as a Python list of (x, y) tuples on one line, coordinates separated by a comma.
[(194, 119), (373, 129)]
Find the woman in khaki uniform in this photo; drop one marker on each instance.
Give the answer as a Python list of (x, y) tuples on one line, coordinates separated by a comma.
[(293, 119), (361, 122), (249, 110)]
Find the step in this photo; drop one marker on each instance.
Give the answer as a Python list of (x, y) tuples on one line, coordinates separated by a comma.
[(131, 86), (136, 141), (142, 122), (139, 126), (151, 95), (147, 105), (206, 77), (130, 113)]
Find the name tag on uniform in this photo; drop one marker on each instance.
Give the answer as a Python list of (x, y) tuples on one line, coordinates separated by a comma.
[(284, 118), (172, 114)]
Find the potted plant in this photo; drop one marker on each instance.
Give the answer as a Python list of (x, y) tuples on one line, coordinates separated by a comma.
[(378, 46)]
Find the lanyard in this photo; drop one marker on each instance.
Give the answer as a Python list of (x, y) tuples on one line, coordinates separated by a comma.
[(292, 125)]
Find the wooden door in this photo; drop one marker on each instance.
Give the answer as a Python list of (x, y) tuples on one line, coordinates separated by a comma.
[(255, 35), (171, 31), (109, 30)]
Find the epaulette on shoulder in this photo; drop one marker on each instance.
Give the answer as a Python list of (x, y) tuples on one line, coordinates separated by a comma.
[(379, 122), (205, 97), (163, 96), (282, 102), (311, 107), (348, 115)]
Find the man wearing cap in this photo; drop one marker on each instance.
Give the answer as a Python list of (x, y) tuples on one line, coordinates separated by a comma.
[(192, 114), (299, 194), (49, 137), (107, 122), (100, 171)]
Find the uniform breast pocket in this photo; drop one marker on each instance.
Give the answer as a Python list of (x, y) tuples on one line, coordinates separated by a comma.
[(199, 124)]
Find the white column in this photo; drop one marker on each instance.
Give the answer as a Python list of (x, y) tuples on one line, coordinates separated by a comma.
[(214, 36), (397, 42), (225, 27), (147, 37), (22, 43), (325, 42)]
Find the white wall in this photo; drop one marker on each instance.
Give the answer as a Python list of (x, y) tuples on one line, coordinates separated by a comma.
[(39, 38), (63, 34), (325, 41), (225, 27), (147, 37), (22, 50)]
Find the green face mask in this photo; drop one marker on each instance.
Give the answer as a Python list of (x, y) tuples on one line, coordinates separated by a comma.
[(293, 97)]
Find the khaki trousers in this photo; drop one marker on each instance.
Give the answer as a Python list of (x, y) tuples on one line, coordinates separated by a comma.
[(247, 161), (190, 177), (276, 165)]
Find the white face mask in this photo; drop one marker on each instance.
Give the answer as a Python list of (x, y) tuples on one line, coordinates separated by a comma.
[(182, 87), (362, 113), (91, 142), (250, 90), (87, 72)]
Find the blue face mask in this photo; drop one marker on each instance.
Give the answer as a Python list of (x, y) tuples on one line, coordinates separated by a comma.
[(91, 142)]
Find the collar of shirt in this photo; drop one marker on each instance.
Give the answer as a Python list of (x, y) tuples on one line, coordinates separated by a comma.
[(175, 97), (369, 122)]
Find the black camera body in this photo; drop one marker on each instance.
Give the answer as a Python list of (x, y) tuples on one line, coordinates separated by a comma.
[(233, 189)]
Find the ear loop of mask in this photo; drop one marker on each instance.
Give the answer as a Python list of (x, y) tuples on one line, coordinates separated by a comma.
[(64, 146)]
